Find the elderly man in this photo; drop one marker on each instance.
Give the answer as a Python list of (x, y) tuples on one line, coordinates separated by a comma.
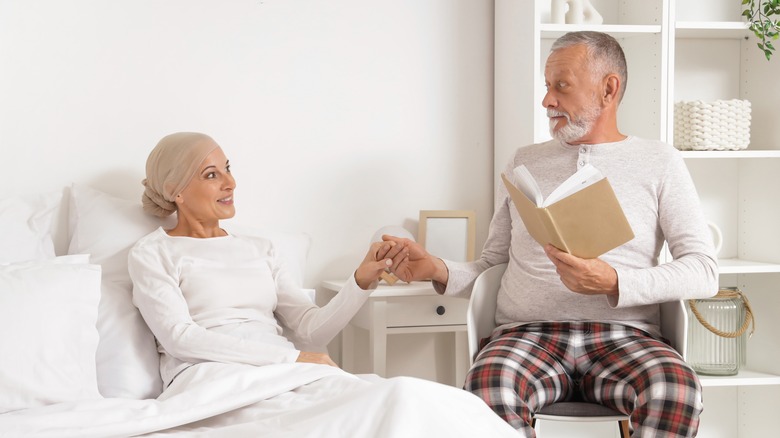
[(572, 328)]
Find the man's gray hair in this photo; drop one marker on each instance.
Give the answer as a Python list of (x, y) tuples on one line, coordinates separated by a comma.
[(604, 52)]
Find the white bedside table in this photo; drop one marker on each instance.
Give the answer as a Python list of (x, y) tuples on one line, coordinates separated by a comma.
[(405, 308)]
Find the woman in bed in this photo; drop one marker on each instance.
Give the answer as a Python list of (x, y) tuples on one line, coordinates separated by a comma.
[(209, 295), (216, 303)]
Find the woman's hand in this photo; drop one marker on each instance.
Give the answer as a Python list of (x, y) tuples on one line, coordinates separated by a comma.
[(378, 258), (415, 263), (320, 358)]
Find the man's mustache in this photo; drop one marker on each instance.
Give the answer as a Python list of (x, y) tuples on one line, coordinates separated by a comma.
[(556, 113)]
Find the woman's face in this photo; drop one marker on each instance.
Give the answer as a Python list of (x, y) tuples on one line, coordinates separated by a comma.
[(209, 196)]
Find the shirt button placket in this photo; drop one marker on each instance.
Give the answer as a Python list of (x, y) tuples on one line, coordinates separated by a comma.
[(583, 157)]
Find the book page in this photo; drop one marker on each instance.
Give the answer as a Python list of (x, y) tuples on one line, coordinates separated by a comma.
[(528, 185), (584, 177)]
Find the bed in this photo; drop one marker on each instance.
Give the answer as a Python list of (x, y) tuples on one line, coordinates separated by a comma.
[(79, 361)]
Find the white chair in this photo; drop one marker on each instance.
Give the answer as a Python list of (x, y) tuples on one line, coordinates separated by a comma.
[(480, 321)]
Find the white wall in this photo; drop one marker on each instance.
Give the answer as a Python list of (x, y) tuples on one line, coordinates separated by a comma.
[(338, 116)]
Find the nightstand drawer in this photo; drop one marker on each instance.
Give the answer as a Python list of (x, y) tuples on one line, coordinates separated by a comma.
[(426, 311)]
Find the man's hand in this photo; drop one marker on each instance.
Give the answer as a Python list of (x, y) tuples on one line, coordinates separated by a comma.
[(584, 276), (415, 262)]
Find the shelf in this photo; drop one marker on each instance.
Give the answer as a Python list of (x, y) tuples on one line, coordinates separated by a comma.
[(751, 153), (617, 30), (738, 266), (743, 378), (712, 29)]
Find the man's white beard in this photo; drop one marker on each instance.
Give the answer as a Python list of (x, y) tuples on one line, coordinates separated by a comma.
[(574, 129)]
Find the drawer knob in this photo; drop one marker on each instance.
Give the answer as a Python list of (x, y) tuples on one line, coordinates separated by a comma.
[(440, 310)]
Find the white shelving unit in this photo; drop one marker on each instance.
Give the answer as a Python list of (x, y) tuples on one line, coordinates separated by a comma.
[(680, 50), (617, 30), (711, 29), (739, 266)]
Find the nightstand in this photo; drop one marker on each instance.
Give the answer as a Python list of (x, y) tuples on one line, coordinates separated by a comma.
[(405, 309)]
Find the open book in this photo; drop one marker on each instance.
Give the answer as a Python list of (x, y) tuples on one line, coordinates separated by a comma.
[(582, 216)]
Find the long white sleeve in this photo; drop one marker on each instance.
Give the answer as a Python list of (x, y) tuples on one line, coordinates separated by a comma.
[(219, 299), (659, 199)]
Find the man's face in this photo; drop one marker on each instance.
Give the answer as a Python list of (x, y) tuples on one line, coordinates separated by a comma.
[(572, 98)]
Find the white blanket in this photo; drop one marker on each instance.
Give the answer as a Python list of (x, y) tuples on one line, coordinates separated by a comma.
[(289, 400)]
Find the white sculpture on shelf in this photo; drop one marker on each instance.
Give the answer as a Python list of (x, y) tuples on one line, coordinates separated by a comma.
[(574, 12)]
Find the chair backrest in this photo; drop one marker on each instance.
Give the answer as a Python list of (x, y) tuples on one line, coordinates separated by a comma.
[(481, 314), (674, 325)]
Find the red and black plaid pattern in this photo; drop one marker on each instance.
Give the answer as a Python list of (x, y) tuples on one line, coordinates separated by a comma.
[(525, 368)]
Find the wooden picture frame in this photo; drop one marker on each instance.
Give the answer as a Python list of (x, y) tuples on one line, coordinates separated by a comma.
[(449, 234)]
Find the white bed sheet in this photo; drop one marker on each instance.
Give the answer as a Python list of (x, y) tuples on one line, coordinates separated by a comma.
[(288, 400)]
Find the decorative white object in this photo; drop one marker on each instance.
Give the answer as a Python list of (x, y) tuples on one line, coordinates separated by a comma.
[(717, 333), (558, 11), (574, 12), (717, 236), (392, 230), (589, 14), (717, 125)]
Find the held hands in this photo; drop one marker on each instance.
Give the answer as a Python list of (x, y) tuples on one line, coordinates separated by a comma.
[(320, 358), (380, 256), (412, 262), (584, 276)]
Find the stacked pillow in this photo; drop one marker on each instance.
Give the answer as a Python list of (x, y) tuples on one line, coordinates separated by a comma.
[(107, 227), (70, 333), (26, 225), (48, 310)]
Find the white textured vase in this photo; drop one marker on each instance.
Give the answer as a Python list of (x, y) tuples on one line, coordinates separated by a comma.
[(589, 14), (558, 11), (574, 12)]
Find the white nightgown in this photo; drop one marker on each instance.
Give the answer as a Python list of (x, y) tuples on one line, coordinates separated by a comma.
[(222, 299)]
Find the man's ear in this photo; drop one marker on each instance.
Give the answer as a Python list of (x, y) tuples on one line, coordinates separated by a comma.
[(611, 88), (179, 199)]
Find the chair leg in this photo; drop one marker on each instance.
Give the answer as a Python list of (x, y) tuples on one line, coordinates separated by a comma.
[(625, 432)]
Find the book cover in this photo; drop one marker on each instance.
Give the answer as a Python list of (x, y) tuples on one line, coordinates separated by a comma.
[(586, 222)]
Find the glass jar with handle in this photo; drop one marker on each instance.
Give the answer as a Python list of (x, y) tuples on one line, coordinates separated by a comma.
[(717, 332)]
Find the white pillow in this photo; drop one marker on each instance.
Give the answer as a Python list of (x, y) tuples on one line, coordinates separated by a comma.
[(26, 224), (48, 311), (107, 227), (128, 365)]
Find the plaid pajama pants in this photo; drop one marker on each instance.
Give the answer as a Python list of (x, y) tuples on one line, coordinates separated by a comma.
[(523, 369)]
